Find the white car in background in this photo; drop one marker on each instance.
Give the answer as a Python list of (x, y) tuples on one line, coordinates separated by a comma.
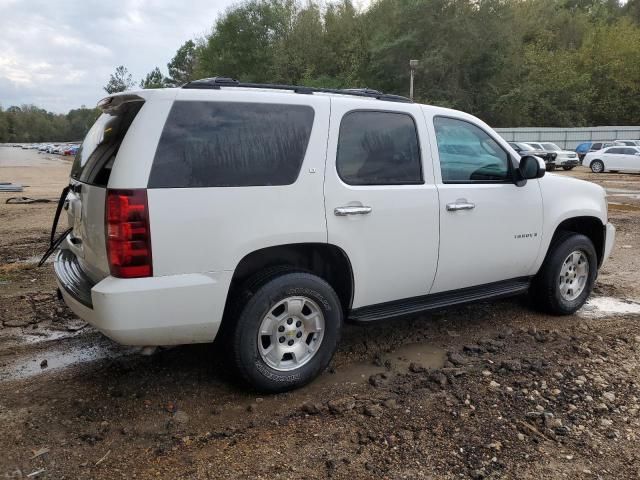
[(564, 158), (614, 159)]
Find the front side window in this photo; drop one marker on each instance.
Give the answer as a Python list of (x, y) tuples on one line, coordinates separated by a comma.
[(378, 148), (468, 154), (231, 144)]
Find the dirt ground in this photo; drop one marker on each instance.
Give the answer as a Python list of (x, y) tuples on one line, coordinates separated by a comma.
[(493, 390)]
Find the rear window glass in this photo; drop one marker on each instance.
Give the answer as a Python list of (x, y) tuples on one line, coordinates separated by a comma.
[(95, 157), (231, 144)]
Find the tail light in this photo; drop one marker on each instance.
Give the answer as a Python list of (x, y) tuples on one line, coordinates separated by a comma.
[(128, 234)]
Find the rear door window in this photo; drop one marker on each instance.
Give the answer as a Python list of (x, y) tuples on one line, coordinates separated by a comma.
[(378, 148), (231, 144), (95, 157)]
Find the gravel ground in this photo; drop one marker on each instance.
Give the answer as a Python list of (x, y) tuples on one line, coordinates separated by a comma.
[(494, 390)]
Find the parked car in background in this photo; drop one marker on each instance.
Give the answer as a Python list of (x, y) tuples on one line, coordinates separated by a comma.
[(614, 159), (525, 149), (564, 158), (586, 147), (626, 143)]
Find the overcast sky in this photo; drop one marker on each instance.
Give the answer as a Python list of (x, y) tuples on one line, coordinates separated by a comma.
[(58, 54)]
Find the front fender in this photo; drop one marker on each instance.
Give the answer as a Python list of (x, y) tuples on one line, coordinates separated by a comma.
[(565, 198)]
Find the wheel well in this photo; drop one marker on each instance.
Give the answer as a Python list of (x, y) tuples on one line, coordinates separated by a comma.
[(590, 227), (324, 260)]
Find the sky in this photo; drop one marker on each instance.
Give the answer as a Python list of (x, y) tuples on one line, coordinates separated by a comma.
[(58, 54)]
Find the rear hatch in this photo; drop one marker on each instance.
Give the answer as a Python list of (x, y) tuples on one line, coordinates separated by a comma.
[(85, 202)]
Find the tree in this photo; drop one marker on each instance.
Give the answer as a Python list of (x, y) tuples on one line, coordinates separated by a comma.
[(182, 65), (154, 79), (119, 81)]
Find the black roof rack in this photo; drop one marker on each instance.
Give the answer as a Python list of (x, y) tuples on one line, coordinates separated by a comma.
[(216, 82)]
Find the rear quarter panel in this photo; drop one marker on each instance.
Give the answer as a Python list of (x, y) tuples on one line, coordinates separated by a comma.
[(197, 230)]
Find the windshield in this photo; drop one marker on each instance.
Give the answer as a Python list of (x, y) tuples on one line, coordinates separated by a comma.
[(95, 156), (524, 146), (551, 146)]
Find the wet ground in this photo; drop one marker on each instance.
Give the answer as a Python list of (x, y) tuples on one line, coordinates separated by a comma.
[(494, 390)]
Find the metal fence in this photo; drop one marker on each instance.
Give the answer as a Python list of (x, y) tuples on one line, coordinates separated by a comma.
[(569, 138)]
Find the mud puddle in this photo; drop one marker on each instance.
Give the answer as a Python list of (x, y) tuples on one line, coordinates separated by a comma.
[(599, 307), (31, 363)]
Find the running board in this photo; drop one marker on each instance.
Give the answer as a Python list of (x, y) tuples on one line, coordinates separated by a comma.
[(437, 301)]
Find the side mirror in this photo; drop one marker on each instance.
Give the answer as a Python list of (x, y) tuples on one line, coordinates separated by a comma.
[(530, 168)]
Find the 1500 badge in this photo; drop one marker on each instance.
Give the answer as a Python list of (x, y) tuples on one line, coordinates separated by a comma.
[(525, 235)]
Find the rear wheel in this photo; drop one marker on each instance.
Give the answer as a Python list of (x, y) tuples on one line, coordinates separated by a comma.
[(597, 166), (287, 332), (567, 275)]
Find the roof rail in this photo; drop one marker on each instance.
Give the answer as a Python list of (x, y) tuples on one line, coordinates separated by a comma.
[(215, 83)]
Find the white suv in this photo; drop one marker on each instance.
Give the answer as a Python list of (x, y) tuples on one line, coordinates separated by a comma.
[(266, 215)]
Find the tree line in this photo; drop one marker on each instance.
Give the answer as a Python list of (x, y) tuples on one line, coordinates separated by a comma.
[(513, 63)]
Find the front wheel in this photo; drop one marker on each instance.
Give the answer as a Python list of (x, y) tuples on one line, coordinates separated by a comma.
[(287, 332), (567, 275), (567, 168), (597, 166)]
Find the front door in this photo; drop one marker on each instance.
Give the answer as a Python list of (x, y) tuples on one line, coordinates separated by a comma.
[(381, 201), (490, 229)]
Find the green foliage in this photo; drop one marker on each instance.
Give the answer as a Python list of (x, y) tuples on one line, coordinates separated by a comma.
[(155, 79), (32, 124), (182, 65), (512, 63), (119, 81)]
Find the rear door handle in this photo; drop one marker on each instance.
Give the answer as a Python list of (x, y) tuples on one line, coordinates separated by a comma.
[(344, 211), (460, 205)]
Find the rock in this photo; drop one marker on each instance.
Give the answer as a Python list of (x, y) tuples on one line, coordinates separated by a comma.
[(521, 436), (486, 373), (511, 365), (390, 403), (416, 368), (252, 407), (374, 411), (439, 378), (341, 405), (44, 363), (601, 407), (555, 392), (610, 396), (457, 359), (605, 422), (311, 408), (473, 348), (379, 380), (181, 417), (494, 384)]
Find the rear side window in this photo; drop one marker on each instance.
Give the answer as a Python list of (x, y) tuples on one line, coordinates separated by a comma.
[(378, 148), (231, 144), (94, 159)]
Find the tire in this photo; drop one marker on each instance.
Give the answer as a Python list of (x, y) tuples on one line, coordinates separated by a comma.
[(553, 295), (308, 296), (597, 166), (567, 168), (551, 168)]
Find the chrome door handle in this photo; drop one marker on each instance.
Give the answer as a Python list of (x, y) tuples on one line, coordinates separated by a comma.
[(454, 207), (344, 211)]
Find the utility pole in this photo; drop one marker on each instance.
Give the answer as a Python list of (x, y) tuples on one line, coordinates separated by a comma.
[(413, 64)]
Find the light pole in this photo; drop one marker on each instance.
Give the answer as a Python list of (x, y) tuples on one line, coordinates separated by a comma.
[(413, 64)]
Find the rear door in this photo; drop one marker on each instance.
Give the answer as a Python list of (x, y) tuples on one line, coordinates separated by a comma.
[(90, 174), (381, 201), (613, 158)]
